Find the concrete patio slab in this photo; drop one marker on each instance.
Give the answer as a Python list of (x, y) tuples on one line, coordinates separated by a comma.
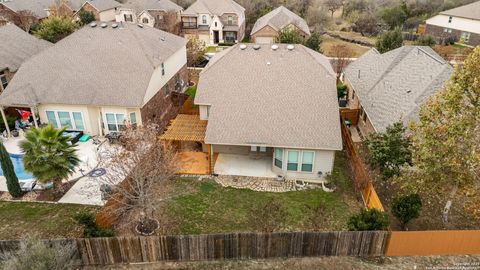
[(243, 165)]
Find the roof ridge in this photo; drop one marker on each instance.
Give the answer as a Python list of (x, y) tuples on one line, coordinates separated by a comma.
[(310, 51)]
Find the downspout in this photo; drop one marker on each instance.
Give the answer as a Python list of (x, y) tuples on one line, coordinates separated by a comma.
[(33, 109)]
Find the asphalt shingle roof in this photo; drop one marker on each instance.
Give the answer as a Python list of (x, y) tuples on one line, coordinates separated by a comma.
[(37, 7), (214, 7), (278, 19), (94, 66), (470, 11), (277, 98), (141, 5), (17, 46), (100, 5), (392, 86)]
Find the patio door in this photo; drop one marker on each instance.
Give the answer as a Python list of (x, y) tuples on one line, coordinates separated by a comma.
[(115, 121)]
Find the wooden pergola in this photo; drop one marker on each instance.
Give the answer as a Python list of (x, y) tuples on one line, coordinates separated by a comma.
[(189, 128), (186, 128)]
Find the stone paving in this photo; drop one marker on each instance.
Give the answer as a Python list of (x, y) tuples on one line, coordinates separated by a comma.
[(256, 183)]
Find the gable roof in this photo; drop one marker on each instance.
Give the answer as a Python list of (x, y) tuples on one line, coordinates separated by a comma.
[(100, 5), (470, 11), (17, 46), (282, 98), (392, 86), (94, 66), (214, 7), (37, 7), (140, 5), (278, 19)]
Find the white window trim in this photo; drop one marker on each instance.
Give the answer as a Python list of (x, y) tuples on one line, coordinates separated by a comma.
[(300, 160), (275, 157), (72, 120), (116, 120)]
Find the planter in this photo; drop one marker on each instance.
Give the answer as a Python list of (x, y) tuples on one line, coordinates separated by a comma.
[(148, 227)]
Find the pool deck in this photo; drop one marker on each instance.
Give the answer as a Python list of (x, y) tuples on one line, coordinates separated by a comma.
[(86, 190)]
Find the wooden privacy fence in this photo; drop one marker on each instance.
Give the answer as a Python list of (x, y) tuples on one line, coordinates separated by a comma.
[(361, 178), (116, 250), (351, 115), (425, 243)]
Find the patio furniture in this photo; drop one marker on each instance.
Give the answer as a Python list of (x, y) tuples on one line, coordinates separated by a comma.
[(74, 135), (113, 137), (28, 185), (84, 138)]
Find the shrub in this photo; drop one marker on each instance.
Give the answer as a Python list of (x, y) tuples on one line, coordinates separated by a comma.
[(11, 123), (191, 91), (426, 40), (314, 42), (406, 208), (87, 219), (341, 90), (390, 40), (86, 17), (368, 220), (55, 28)]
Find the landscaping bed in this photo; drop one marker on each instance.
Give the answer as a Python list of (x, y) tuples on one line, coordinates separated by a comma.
[(203, 206), (45, 220)]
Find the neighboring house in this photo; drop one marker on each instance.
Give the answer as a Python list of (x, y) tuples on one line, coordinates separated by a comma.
[(16, 47), (391, 87), (271, 111), (161, 14), (461, 24), (98, 79), (103, 10), (214, 21), (267, 27), (14, 10)]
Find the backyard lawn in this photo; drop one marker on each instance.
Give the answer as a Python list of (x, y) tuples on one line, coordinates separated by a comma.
[(328, 44), (206, 207), (44, 220)]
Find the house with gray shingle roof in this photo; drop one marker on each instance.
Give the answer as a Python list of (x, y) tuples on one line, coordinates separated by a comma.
[(162, 14), (16, 47), (103, 10), (275, 114), (267, 27), (214, 21), (391, 87), (99, 78), (460, 24)]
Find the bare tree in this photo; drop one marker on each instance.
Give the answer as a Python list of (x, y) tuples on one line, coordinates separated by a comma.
[(317, 17), (342, 55), (60, 8), (195, 51), (26, 19), (170, 22), (333, 5), (137, 170)]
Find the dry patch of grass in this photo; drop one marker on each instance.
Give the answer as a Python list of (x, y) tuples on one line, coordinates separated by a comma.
[(328, 44)]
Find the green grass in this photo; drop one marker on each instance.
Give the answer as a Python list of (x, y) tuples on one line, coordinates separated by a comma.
[(191, 91), (18, 219), (213, 49), (210, 208)]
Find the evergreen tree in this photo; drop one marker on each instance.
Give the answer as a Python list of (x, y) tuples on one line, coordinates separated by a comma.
[(389, 41), (9, 173)]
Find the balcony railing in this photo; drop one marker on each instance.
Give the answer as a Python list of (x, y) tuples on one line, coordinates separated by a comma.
[(189, 25)]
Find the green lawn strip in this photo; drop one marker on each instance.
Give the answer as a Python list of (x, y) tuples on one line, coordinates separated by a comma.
[(44, 220), (210, 208)]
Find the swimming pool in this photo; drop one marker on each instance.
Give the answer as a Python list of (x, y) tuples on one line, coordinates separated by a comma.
[(17, 161)]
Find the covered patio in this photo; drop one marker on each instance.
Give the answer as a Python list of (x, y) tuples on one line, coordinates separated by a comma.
[(187, 134), (244, 165)]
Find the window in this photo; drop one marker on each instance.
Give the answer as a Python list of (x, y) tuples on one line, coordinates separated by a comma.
[(204, 19), (208, 111), (159, 18), (145, 20), (465, 36), (307, 161), (133, 118), (253, 148), (115, 121), (70, 120), (52, 119), (450, 19), (3, 81), (292, 162), (229, 20), (163, 69), (278, 157), (449, 30), (445, 30), (128, 17), (263, 149), (215, 24), (230, 37)]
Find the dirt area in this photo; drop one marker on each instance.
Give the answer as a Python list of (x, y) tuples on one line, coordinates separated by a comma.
[(344, 263)]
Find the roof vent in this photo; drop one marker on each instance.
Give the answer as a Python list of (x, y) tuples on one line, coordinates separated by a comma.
[(290, 47), (243, 46), (274, 47), (409, 91), (268, 63), (103, 25), (114, 25), (256, 47), (93, 24), (140, 25)]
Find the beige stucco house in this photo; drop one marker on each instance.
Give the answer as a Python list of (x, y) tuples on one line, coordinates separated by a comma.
[(161, 14), (266, 28), (102, 77), (214, 21), (390, 87), (275, 114)]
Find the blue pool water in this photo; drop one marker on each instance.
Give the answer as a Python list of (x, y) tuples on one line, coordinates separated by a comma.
[(17, 161)]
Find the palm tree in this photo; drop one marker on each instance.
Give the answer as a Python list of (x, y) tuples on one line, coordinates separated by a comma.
[(49, 155)]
